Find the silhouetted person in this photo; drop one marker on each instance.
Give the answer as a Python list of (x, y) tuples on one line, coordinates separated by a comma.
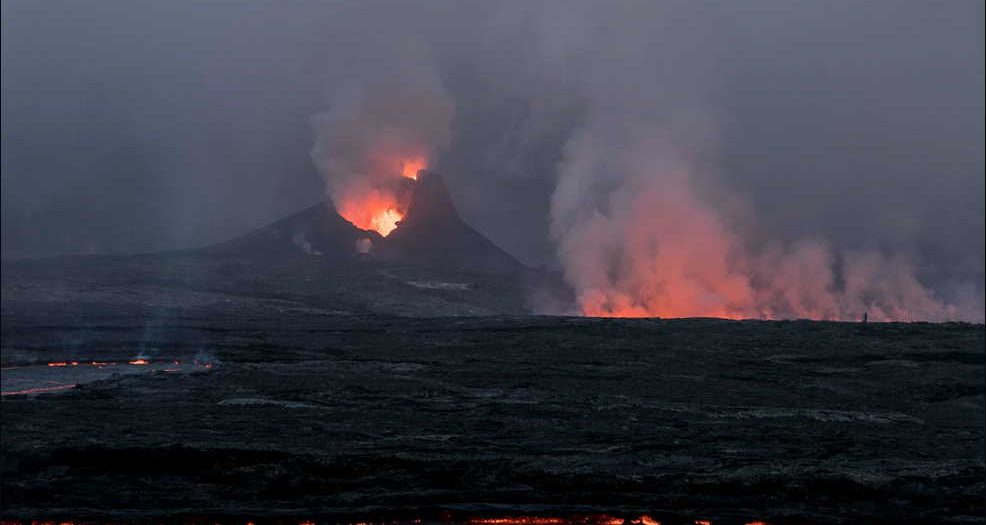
[(866, 317)]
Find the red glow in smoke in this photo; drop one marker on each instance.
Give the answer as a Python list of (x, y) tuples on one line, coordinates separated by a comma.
[(379, 203)]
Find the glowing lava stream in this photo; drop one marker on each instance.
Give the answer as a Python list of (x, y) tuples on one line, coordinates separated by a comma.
[(65, 375)]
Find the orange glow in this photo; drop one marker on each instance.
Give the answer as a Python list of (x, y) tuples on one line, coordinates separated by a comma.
[(374, 209), (385, 221), (703, 522), (630, 311), (410, 167), (661, 250), (101, 364), (647, 520), (518, 520), (380, 203), (600, 519), (39, 390)]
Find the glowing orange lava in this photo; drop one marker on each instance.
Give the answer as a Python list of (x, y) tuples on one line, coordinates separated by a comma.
[(55, 386), (410, 167), (597, 519), (379, 205), (385, 221), (518, 520), (39, 390), (373, 209)]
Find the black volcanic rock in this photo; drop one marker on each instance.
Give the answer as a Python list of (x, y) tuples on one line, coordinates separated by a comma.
[(431, 265), (431, 203), (432, 233), (382, 419), (317, 231)]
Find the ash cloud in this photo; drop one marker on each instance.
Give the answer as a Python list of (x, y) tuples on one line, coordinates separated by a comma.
[(828, 157)]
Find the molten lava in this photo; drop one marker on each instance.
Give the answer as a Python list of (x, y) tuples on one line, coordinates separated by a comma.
[(376, 210), (381, 202), (385, 221), (593, 519), (411, 167), (29, 380)]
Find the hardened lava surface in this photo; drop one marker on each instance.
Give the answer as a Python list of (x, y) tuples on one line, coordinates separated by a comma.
[(330, 417)]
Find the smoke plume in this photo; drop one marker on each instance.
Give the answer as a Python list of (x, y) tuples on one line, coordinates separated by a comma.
[(377, 133), (653, 246), (645, 227), (743, 159)]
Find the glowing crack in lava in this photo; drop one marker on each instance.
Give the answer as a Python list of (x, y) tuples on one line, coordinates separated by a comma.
[(382, 205), (58, 376)]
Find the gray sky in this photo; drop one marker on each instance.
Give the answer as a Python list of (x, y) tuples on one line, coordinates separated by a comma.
[(134, 126)]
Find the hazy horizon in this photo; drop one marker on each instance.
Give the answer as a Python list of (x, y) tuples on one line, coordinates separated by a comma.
[(791, 137)]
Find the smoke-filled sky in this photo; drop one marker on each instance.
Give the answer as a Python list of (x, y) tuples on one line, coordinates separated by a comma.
[(763, 137)]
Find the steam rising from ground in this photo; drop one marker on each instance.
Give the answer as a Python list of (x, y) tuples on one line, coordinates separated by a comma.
[(767, 158), (652, 246), (643, 222), (645, 227)]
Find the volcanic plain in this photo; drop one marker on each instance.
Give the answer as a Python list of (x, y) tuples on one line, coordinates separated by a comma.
[(311, 415), (321, 381)]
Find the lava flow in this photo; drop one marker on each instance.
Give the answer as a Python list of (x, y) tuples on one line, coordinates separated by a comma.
[(57, 376)]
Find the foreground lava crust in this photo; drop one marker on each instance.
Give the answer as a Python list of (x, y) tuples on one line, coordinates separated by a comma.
[(334, 418)]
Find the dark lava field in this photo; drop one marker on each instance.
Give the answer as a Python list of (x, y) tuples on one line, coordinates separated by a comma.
[(287, 377), (310, 415)]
